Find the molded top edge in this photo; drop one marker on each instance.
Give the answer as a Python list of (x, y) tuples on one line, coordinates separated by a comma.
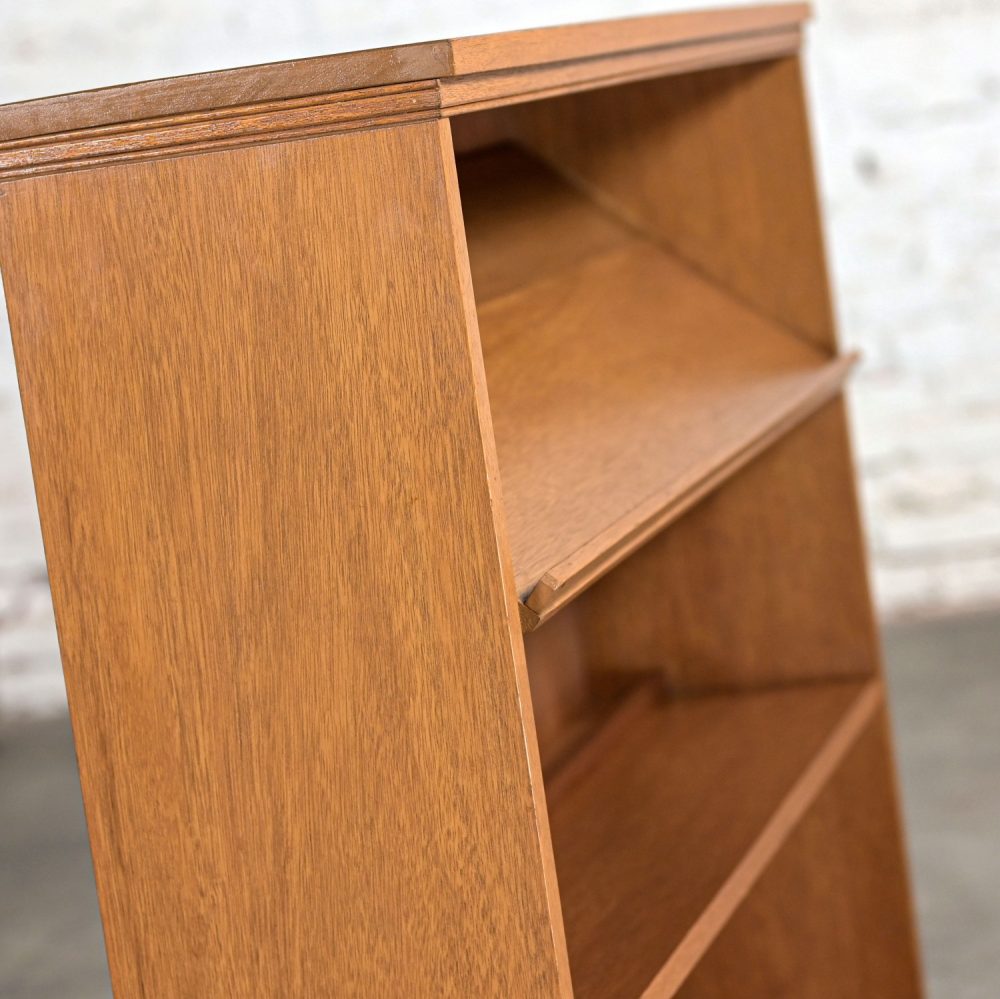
[(433, 60), (539, 46)]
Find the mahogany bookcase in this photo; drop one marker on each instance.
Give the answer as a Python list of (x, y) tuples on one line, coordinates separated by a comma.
[(451, 522)]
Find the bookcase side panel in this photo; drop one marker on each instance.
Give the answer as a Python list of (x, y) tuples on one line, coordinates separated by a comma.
[(285, 606)]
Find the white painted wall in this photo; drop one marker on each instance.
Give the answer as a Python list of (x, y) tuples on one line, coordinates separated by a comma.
[(906, 98)]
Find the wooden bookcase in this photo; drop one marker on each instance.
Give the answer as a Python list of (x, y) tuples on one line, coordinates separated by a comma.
[(451, 524)]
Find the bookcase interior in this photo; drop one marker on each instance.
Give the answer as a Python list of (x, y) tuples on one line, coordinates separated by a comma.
[(828, 918), (691, 745), (626, 379), (678, 494)]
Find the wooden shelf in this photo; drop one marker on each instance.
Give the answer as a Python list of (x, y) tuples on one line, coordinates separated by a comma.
[(662, 824), (623, 384)]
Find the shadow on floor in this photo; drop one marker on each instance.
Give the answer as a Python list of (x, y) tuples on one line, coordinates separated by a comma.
[(945, 688)]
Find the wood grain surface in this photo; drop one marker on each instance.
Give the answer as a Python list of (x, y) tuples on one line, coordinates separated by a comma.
[(513, 49), (523, 222), (830, 919), (253, 393), (182, 135), (504, 53), (464, 94), (268, 437), (666, 824), (226, 88), (619, 379), (569, 708), (715, 165), (566, 580), (764, 582)]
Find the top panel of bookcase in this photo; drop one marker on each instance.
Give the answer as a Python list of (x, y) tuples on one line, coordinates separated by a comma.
[(430, 79)]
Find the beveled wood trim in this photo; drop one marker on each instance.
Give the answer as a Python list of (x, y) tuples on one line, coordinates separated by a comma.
[(226, 88), (245, 125), (370, 107), (536, 46), (519, 65), (479, 92)]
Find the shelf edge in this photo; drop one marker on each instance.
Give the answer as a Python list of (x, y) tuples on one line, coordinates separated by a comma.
[(765, 847), (564, 581)]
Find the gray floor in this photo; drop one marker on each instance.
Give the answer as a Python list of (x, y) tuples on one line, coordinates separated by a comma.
[(945, 680), (945, 688), (50, 933)]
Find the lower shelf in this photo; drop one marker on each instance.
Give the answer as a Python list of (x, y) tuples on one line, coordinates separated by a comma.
[(664, 821)]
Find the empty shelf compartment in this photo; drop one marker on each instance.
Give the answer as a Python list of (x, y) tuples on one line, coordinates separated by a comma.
[(622, 383)]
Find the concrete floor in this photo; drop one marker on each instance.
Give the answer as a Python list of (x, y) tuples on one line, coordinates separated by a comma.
[(945, 684), (50, 933), (944, 680)]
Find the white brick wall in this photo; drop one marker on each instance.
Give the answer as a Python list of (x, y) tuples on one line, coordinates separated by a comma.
[(907, 95), (907, 103)]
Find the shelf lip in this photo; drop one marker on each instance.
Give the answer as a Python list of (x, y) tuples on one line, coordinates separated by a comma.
[(567, 579), (769, 841)]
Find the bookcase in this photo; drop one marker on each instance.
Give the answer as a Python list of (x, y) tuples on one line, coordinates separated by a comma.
[(451, 522)]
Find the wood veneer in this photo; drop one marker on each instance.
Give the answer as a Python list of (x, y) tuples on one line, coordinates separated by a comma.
[(837, 890), (381, 87), (651, 153), (606, 446), (242, 603), (322, 417), (703, 792), (448, 59), (772, 561)]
